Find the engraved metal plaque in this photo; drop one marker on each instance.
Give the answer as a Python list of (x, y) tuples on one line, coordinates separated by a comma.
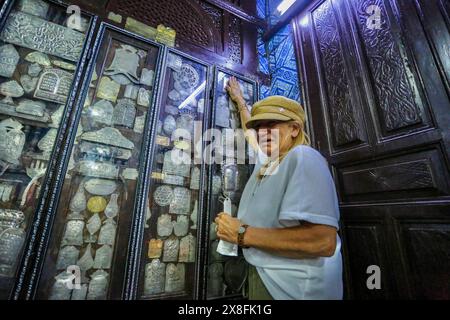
[(35, 108), (124, 113), (187, 249), (125, 63), (171, 248), (107, 233), (174, 180), (67, 256), (181, 226), (175, 277), (98, 286), (34, 69), (139, 123), (109, 136), (181, 202), (11, 242), (11, 89), (104, 151), (144, 97), (59, 290), (12, 141), (130, 174), (155, 247), (188, 77), (177, 162), (39, 58), (73, 234), (112, 209), (27, 31), (94, 223), (155, 275), (28, 83), (163, 195), (9, 58), (101, 112), (131, 91), (103, 257), (164, 225), (37, 8), (147, 77), (108, 89), (54, 85), (195, 178), (100, 187), (169, 125), (86, 261)]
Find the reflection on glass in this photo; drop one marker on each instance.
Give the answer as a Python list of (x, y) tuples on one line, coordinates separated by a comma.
[(90, 236), (169, 255), (39, 51), (227, 275)]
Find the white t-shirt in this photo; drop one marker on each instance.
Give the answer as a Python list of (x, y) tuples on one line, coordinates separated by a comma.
[(302, 189)]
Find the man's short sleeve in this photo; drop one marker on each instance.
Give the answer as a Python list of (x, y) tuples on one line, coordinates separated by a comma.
[(310, 193)]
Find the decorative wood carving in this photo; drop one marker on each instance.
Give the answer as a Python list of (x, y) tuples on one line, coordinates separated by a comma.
[(391, 74), (393, 177), (340, 106), (186, 17)]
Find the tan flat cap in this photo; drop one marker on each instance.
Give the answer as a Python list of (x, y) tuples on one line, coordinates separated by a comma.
[(276, 108)]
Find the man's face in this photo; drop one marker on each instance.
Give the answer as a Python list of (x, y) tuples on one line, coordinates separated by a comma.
[(274, 137)]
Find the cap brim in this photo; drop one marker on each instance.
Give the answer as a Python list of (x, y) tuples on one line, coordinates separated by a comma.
[(265, 116)]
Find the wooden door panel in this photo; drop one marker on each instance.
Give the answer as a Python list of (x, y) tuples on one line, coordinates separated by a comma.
[(340, 101), (393, 91), (417, 174), (365, 239), (378, 106), (427, 257)]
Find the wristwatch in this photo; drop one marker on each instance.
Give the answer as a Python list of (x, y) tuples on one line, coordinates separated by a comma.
[(241, 234)]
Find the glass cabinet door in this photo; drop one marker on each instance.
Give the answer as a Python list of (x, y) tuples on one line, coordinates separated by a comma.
[(87, 254), (169, 255), (226, 275), (40, 47)]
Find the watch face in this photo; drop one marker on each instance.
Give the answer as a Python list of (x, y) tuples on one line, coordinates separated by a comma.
[(241, 229)]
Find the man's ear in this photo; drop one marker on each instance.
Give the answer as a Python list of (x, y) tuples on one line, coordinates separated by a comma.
[(295, 130)]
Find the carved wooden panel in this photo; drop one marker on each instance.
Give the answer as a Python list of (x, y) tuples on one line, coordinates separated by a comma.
[(367, 240), (234, 43), (186, 17), (340, 105), (392, 77), (393, 177), (408, 176), (427, 243)]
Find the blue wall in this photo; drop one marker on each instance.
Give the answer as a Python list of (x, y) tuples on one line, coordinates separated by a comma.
[(277, 58)]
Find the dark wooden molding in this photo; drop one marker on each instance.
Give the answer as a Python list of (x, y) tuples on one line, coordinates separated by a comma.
[(238, 12)]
